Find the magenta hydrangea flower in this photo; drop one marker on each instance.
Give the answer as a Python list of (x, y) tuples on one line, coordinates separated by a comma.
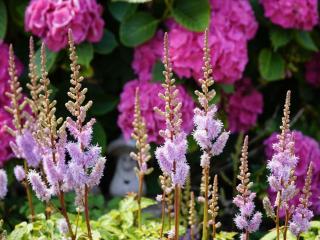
[(149, 99), (307, 150), (299, 14), (244, 106), (51, 19), (3, 183), (232, 25), (313, 71)]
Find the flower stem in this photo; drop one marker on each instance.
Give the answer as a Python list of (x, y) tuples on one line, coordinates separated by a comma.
[(277, 222), (285, 229), (65, 214), (28, 192), (214, 230), (86, 212), (177, 211), (139, 198), (205, 207), (162, 213), (247, 235)]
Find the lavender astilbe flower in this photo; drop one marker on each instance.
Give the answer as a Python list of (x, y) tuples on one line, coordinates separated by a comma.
[(3, 184), (62, 226), (19, 173), (283, 161), (38, 186), (247, 220), (302, 215)]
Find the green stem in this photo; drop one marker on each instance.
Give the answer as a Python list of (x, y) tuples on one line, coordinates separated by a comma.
[(206, 205), (86, 212), (139, 198), (162, 213), (177, 211)]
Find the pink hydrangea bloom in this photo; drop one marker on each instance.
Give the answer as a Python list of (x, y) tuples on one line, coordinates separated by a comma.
[(244, 106), (299, 14), (150, 99), (51, 19), (307, 150), (232, 25), (313, 71)]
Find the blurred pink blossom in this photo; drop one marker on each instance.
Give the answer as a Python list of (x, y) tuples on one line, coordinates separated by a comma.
[(299, 14), (313, 71), (150, 99), (232, 25), (244, 106), (51, 19), (307, 150)]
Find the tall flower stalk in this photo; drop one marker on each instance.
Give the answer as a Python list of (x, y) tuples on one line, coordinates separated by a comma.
[(282, 167), (214, 208), (172, 154), (208, 131), (302, 214), (247, 220), (16, 109), (142, 156), (86, 166)]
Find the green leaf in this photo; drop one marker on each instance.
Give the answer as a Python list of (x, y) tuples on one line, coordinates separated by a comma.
[(305, 40), (3, 19), (99, 136), (103, 104), (137, 29), (121, 10), (50, 57), (107, 44), (157, 72), (279, 37), (85, 54), (227, 88), (271, 65), (194, 15)]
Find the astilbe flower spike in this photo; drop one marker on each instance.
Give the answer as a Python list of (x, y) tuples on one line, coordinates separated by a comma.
[(247, 220), (192, 216), (142, 156), (302, 214), (208, 130), (213, 207), (16, 109), (282, 166), (171, 155), (86, 166), (19, 173), (3, 184)]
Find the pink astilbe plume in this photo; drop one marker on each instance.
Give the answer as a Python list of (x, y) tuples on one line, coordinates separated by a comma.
[(19, 173), (171, 155), (86, 165), (283, 161), (302, 215), (3, 184), (39, 187), (247, 220)]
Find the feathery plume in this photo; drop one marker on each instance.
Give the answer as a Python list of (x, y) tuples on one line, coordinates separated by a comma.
[(247, 220), (302, 215), (19, 173), (213, 207), (192, 216), (3, 184), (208, 131)]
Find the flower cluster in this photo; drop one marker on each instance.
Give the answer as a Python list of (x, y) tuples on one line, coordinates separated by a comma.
[(248, 220), (5, 119), (302, 215), (149, 100), (308, 151), (312, 71), (3, 184), (299, 14), (232, 25), (50, 20), (283, 162), (244, 106)]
